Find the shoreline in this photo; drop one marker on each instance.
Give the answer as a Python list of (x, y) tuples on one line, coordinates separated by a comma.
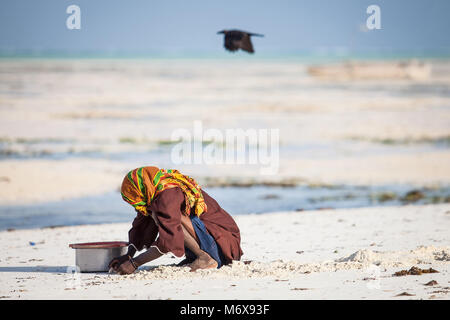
[(350, 253), (261, 200)]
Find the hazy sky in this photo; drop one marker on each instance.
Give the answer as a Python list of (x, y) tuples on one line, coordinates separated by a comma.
[(169, 26)]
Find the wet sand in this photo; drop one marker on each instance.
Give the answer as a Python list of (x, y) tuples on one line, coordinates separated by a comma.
[(85, 123)]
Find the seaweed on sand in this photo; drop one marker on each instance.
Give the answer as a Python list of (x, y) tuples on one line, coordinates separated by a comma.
[(413, 196), (415, 271)]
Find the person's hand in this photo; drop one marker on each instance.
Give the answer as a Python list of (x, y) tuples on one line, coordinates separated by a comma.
[(126, 268), (116, 262)]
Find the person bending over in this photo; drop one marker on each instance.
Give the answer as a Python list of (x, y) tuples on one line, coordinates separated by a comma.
[(175, 215)]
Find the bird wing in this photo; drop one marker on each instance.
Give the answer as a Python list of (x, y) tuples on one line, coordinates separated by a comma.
[(246, 44)]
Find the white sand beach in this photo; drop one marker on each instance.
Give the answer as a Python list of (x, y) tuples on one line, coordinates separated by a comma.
[(327, 254)]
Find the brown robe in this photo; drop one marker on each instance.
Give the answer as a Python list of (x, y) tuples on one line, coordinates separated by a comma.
[(167, 208)]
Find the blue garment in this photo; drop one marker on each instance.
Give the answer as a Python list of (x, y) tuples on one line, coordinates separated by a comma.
[(207, 242)]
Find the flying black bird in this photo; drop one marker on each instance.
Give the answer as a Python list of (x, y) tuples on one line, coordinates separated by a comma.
[(237, 39)]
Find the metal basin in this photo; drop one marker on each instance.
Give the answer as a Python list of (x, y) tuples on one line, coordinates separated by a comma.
[(95, 256)]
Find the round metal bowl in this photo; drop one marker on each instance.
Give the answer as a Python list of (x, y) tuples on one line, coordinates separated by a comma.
[(95, 256)]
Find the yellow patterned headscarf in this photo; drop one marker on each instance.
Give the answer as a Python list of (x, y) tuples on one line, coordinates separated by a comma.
[(141, 185)]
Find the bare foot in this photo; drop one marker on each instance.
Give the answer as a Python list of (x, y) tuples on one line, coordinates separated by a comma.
[(203, 262), (184, 262)]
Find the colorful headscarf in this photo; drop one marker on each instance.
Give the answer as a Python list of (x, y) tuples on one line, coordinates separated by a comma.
[(140, 186)]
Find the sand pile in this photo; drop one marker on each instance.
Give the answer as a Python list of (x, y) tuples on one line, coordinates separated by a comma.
[(420, 255), (361, 259)]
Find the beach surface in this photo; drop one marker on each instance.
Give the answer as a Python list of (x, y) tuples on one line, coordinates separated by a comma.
[(326, 254)]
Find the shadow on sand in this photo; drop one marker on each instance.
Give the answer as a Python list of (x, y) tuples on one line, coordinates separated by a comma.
[(50, 269)]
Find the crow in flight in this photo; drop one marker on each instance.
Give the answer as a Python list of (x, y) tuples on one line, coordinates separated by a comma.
[(237, 39)]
